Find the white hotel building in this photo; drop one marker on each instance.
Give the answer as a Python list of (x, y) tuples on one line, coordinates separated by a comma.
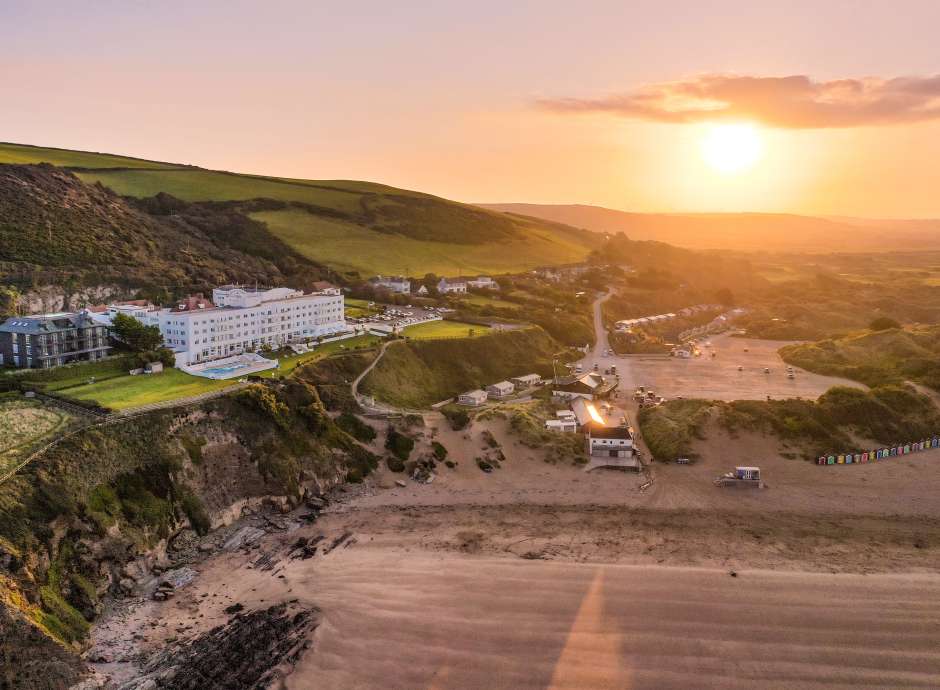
[(240, 319)]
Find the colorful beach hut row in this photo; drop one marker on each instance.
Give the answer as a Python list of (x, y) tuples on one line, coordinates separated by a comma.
[(880, 454)]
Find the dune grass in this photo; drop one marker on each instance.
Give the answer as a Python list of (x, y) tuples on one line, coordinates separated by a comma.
[(348, 247)]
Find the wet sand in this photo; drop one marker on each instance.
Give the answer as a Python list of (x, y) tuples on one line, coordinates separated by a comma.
[(460, 622)]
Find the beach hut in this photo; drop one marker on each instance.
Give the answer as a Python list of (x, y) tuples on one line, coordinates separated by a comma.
[(831, 460)]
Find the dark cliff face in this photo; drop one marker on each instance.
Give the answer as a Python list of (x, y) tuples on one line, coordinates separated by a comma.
[(55, 228), (99, 509)]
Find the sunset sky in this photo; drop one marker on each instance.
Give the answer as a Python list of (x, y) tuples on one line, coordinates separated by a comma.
[(551, 102)]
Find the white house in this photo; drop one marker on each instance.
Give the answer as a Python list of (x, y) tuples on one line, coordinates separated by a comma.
[(422, 291), (472, 398), (483, 283), (501, 389), (610, 441), (457, 287), (397, 284), (240, 319), (526, 381)]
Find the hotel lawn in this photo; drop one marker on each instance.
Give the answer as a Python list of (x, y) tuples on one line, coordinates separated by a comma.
[(445, 329), (123, 392)]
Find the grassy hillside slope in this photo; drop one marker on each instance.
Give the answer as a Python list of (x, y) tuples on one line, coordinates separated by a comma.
[(348, 225), (885, 415), (416, 374), (55, 229), (874, 358), (741, 231)]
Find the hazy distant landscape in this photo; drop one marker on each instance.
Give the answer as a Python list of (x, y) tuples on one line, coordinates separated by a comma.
[(765, 232)]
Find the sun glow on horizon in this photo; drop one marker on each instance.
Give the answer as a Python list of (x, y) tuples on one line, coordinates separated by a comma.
[(731, 148)]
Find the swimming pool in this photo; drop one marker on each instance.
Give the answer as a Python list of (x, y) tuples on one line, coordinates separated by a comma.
[(239, 365)]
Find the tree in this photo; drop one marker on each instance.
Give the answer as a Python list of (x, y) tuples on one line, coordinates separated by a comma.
[(135, 334), (9, 300), (883, 323)]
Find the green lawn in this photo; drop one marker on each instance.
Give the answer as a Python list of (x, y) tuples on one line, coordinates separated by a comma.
[(444, 329), (18, 153), (123, 392), (348, 247), (357, 308), (290, 362), (118, 390)]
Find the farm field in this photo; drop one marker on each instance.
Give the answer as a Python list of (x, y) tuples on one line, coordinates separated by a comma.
[(345, 246), (487, 301), (445, 329), (22, 154), (23, 423), (208, 185)]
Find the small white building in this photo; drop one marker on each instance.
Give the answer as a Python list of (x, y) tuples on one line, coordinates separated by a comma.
[(483, 283), (397, 284), (564, 425), (526, 381), (451, 287), (610, 441), (472, 398), (422, 291), (502, 389)]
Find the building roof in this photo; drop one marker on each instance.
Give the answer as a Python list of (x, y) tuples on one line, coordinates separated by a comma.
[(321, 285), (502, 385), (46, 323), (527, 377), (193, 303), (590, 383), (474, 394), (620, 431)]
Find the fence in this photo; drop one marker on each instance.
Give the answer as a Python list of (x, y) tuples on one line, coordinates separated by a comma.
[(879, 454)]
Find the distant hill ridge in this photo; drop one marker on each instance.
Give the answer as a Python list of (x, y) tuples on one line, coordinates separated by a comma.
[(742, 231)]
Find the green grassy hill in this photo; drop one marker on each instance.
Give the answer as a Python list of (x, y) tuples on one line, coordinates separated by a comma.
[(56, 229), (416, 374), (831, 424), (353, 227), (874, 357)]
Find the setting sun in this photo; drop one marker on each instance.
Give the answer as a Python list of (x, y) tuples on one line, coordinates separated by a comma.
[(732, 148)]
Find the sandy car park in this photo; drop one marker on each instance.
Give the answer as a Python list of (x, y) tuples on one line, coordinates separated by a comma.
[(718, 377)]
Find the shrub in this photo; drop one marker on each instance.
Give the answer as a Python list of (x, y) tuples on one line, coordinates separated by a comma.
[(883, 323), (355, 427), (395, 464), (399, 444), (194, 509), (457, 416), (440, 452)]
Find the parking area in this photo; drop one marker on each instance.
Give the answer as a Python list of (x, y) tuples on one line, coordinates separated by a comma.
[(736, 372), (396, 316)]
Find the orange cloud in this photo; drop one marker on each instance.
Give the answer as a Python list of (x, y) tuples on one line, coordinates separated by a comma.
[(794, 102)]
